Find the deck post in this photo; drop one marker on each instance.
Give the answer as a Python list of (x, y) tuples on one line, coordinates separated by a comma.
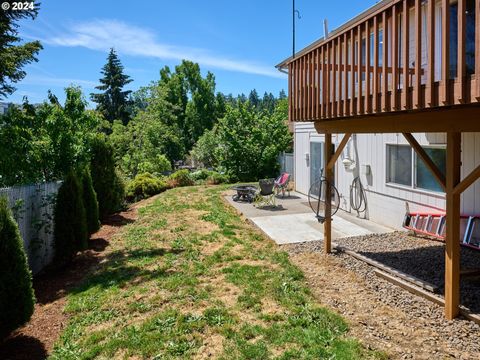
[(327, 225), (452, 239)]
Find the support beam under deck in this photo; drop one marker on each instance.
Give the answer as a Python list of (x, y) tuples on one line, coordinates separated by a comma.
[(327, 225), (452, 239), (339, 150), (426, 159)]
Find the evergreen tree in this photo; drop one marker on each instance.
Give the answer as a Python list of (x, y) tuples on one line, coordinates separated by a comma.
[(220, 106), (268, 102), (253, 98), (90, 202), (282, 95), (114, 102), (70, 232), (14, 57), (106, 182), (16, 293)]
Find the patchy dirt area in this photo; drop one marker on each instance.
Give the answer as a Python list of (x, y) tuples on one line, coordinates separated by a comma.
[(35, 340), (380, 313)]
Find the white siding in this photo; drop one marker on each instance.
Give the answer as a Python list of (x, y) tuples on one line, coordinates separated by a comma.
[(387, 203)]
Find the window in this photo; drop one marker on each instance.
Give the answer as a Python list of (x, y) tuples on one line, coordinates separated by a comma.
[(404, 167), (399, 164), (424, 178)]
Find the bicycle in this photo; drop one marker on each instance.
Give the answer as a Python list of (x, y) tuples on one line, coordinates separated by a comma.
[(316, 198)]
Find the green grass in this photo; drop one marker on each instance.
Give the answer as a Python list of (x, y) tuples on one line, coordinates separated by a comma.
[(190, 270)]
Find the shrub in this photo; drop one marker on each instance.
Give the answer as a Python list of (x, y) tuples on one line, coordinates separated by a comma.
[(106, 181), (159, 165), (181, 178), (90, 202), (71, 234), (16, 293), (216, 178), (145, 185), (201, 174)]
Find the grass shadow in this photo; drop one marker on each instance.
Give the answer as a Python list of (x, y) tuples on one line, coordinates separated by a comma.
[(117, 220), (55, 282), (118, 269)]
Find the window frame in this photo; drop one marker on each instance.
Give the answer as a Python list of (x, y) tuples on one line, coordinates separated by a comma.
[(387, 168), (413, 187)]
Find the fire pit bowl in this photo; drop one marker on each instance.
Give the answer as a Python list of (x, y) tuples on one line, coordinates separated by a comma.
[(245, 193)]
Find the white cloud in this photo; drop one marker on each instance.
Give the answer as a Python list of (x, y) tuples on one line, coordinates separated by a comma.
[(54, 81), (136, 41)]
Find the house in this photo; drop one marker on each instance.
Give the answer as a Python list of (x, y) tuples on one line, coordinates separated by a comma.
[(4, 107), (399, 109)]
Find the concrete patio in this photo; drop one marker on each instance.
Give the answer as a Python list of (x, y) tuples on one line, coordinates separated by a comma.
[(292, 221)]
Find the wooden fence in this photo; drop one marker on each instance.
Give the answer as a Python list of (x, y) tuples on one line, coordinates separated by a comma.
[(32, 207)]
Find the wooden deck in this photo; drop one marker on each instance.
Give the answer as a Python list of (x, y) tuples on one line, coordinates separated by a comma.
[(359, 69), (373, 76)]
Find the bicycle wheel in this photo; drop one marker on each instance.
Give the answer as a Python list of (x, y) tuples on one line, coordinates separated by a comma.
[(317, 196)]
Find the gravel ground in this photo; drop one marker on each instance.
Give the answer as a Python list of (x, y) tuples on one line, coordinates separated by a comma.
[(415, 327)]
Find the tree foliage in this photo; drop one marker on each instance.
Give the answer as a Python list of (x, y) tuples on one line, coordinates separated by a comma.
[(192, 97), (205, 150), (14, 56), (146, 144), (17, 299), (44, 143), (113, 102), (248, 143)]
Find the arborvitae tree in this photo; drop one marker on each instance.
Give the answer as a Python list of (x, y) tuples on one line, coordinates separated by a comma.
[(106, 182), (16, 293), (114, 102), (90, 202), (70, 232), (14, 57)]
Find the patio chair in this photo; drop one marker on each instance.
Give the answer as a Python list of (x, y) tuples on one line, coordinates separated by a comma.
[(266, 195), (281, 184)]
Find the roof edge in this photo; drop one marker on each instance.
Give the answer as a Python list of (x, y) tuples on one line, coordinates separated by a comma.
[(384, 3)]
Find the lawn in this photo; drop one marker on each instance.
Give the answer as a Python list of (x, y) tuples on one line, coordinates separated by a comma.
[(191, 279)]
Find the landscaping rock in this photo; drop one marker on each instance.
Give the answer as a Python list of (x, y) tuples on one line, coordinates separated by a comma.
[(424, 259)]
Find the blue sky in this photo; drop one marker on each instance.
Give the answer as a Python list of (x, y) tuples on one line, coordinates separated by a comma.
[(239, 41)]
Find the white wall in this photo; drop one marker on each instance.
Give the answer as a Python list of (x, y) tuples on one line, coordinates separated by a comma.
[(386, 202)]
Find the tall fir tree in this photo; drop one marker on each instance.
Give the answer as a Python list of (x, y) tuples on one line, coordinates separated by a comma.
[(114, 102), (253, 98), (14, 57)]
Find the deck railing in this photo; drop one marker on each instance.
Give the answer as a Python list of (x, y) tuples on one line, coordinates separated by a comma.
[(404, 55)]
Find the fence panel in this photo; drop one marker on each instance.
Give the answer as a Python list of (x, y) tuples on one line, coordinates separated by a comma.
[(286, 163), (32, 207)]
